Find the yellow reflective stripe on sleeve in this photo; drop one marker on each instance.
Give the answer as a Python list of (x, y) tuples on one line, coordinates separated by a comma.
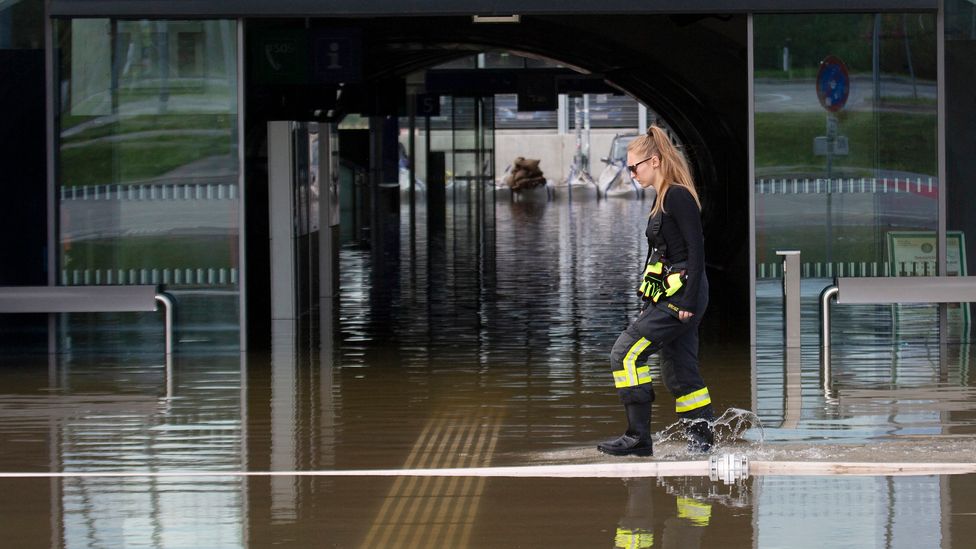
[(697, 512), (692, 401), (632, 375)]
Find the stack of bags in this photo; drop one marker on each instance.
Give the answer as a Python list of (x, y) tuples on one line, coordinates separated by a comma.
[(525, 174)]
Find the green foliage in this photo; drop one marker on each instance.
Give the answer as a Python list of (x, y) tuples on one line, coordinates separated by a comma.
[(149, 252), (143, 147), (907, 43)]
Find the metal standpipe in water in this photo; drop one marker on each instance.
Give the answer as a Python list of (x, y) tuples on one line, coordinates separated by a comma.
[(729, 468)]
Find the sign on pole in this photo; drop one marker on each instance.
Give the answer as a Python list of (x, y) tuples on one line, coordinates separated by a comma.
[(833, 83)]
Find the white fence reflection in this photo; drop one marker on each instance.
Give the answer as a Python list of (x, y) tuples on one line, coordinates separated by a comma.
[(201, 276)]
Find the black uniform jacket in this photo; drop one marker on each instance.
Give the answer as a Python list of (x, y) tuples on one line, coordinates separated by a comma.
[(681, 232)]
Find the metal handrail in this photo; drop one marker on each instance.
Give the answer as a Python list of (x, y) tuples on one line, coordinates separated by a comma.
[(167, 302), (828, 293)]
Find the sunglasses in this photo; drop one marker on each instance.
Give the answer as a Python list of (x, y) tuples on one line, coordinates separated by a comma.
[(633, 167)]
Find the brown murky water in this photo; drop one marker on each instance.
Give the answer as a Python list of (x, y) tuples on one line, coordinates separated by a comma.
[(482, 348)]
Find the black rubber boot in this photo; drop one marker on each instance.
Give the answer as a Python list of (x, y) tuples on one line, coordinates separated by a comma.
[(700, 436), (698, 430), (637, 440)]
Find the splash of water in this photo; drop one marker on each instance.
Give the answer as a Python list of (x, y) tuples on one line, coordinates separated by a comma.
[(728, 427), (734, 423)]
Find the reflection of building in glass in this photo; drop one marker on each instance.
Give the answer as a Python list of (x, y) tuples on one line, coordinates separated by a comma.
[(148, 163)]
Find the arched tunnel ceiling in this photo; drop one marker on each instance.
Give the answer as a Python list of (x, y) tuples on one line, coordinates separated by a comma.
[(691, 69)]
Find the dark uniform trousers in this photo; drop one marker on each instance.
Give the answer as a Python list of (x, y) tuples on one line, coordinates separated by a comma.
[(655, 329)]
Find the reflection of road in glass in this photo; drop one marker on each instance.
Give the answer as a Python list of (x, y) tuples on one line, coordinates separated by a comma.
[(801, 95)]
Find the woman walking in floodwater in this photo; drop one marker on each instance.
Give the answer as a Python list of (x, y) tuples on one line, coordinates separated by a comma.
[(674, 291)]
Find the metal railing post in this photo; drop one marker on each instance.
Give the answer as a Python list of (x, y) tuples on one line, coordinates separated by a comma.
[(791, 296)]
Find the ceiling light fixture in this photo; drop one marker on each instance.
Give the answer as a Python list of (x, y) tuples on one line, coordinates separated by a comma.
[(496, 18)]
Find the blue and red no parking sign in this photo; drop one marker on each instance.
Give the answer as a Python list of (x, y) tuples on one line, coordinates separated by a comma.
[(833, 83)]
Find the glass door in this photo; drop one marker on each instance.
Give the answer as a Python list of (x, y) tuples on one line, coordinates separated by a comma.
[(473, 163), (846, 159)]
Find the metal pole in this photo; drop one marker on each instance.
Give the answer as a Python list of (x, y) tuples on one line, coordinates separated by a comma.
[(791, 296), (751, 144)]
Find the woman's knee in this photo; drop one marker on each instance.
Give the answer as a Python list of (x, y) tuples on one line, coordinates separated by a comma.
[(622, 347), (617, 357)]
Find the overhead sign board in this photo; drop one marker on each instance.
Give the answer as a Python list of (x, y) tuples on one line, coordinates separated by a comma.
[(337, 56), (280, 57), (428, 104)]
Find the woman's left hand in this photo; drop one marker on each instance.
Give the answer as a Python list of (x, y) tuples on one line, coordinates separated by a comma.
[(685, 316)]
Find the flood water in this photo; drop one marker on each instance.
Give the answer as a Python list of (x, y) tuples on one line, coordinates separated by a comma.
[(486, 346)]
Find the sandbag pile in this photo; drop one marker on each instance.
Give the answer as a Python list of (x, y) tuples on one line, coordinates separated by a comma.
[(525, 174)]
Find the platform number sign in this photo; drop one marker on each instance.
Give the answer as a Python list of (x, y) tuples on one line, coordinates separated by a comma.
[(428, 104), (833, 83)]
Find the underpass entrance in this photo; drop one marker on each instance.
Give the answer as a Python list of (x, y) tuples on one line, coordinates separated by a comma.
[(378, 107)]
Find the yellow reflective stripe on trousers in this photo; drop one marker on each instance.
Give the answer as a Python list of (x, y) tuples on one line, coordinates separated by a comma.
[(692, 401), (633, 539), (631, 375), (622, 379)]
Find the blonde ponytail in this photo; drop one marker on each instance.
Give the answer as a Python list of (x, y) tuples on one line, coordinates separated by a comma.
[(674, 165)]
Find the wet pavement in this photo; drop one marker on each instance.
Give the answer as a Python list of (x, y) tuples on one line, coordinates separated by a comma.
[(485, 346)]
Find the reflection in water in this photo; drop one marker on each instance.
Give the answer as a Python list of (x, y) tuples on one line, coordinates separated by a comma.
[(863, 512), (443, 363), (94, 413), (685, 509), (147, 512), (437, 511)]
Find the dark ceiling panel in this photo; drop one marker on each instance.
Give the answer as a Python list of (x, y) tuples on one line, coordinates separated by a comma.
[(361, 8)]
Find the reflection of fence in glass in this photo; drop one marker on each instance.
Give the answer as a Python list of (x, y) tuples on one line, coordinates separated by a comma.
[(846, 239), (206, 276), (909, 253), (925, 186), (824, 269), (163, 191)]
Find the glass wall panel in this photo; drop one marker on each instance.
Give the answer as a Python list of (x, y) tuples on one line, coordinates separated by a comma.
[(147, 164), (846, 152)]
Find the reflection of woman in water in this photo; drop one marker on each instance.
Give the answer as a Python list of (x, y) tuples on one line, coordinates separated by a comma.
[(687, 513), (674, 290)]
